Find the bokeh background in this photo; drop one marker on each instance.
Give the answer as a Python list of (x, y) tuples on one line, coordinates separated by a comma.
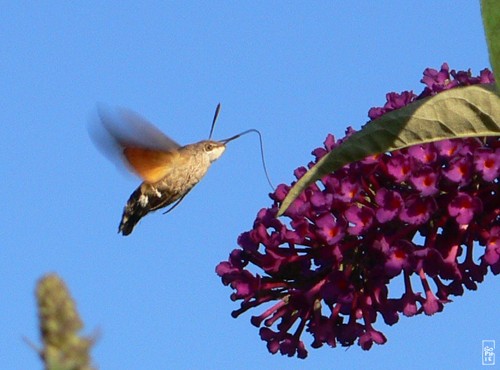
[(294, 70)]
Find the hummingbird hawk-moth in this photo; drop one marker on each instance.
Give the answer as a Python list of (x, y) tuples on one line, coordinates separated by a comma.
[(167, 169)]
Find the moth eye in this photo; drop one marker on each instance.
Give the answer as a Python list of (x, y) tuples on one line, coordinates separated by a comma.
[(209, 147)]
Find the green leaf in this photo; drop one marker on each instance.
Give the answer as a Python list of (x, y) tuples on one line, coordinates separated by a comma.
[(490, 10), (455, 113)]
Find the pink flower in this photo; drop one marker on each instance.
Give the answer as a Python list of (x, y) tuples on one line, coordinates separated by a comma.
[(412, 212)]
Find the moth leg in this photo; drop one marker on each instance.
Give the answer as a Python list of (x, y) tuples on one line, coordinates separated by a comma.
[(175, 204)]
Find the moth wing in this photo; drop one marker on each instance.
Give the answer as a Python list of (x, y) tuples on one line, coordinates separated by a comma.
[(144, 133), (127, 138), (151, 165)]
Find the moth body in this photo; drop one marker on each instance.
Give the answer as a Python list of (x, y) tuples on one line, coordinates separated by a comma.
[(188, 166)]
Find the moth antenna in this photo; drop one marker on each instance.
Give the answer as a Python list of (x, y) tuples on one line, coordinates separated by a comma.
[(216, 114), (261, 151)]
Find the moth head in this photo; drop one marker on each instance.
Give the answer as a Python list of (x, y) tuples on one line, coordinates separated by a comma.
[(213, 149)]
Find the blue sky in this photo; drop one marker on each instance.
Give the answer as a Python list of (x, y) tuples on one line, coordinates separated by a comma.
[(294, 70)]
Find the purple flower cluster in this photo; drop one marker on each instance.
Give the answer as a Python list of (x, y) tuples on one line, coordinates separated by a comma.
[(423, 214)]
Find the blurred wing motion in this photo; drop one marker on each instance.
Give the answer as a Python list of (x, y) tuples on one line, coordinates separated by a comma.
[(150, 165), (143, 148)]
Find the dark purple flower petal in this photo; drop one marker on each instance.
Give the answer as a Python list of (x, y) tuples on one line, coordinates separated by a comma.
[(399, 167), (417, 210), (463, 207), (425, 180), (459, 170), (487, 162), (390, 203), (370, 336), (492, 254), (329, 229), (359, 218)]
